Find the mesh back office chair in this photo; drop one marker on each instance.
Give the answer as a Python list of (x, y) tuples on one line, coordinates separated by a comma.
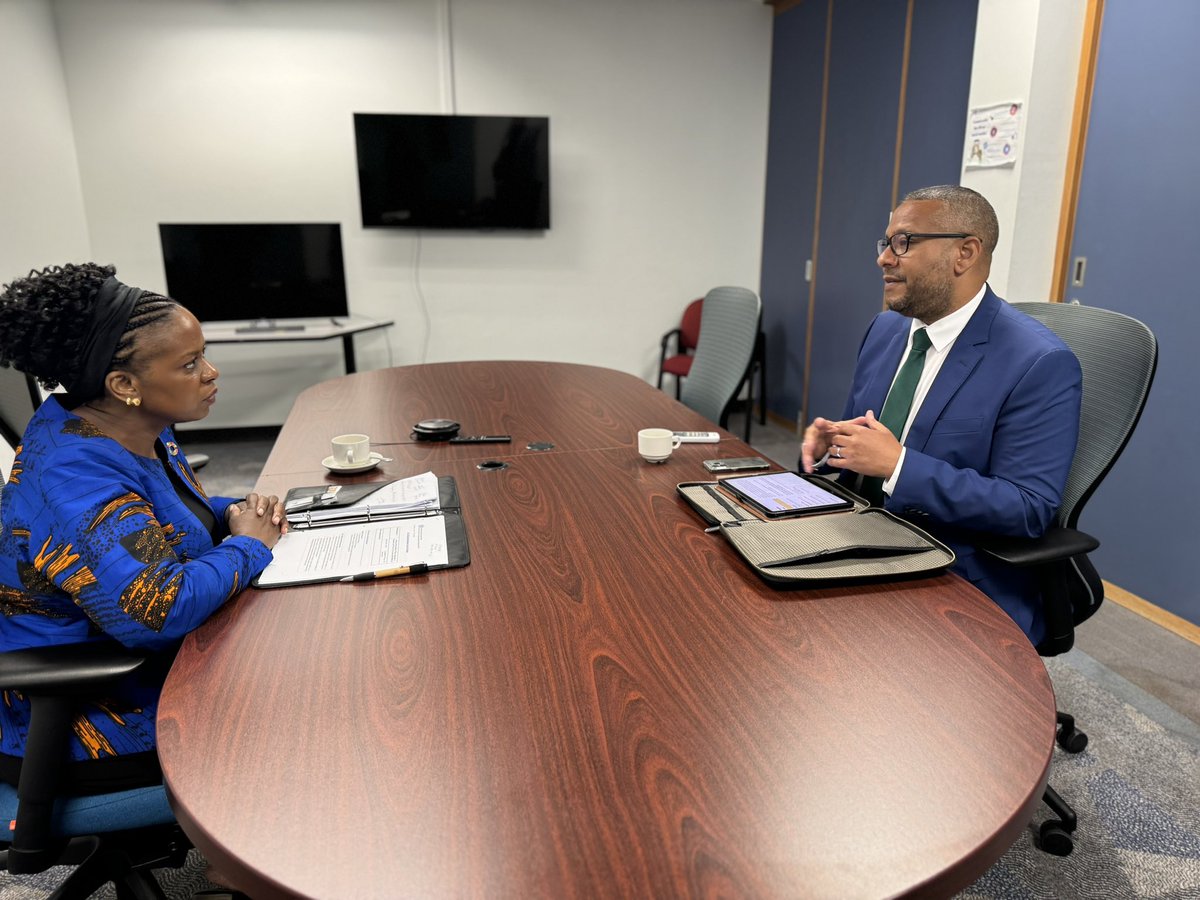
[(687, 336), (729, 330), (1118, 356)]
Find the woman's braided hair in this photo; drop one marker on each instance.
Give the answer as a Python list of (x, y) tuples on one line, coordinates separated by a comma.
[(44, 318)]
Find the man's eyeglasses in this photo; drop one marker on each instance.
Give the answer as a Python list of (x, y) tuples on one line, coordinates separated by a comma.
[(900, 241)]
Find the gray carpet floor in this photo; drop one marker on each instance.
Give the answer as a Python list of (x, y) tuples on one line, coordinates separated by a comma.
[(1136, 790)]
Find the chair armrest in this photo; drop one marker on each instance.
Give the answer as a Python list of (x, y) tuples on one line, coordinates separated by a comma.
[(673, 333), (67, 668), (1055, 545)]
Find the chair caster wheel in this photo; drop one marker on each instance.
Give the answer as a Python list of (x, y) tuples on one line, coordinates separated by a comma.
[(1054, 839), (1072, 741)]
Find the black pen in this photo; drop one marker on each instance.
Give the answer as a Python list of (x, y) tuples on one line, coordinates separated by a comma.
[(414, 569)]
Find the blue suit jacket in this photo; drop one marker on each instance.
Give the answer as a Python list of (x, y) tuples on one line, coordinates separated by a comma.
[(990, 447)]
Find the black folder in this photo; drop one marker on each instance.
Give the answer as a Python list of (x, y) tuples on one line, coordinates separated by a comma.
[(457, 547)]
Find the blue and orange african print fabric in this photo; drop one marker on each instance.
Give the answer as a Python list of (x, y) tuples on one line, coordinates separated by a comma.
[(96, 544)]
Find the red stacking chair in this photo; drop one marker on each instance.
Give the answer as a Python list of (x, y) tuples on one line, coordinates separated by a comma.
[(686, 336)]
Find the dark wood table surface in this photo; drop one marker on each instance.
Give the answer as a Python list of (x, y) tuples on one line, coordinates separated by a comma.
[(606, 701)]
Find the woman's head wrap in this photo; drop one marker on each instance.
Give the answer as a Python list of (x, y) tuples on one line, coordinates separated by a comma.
[(110, 317)]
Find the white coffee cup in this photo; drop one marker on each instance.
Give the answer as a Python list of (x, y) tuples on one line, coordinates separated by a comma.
[(655, 444), (351, 450)]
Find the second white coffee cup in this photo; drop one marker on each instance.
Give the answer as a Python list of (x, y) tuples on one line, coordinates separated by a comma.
[(655, 444), (351, 450)]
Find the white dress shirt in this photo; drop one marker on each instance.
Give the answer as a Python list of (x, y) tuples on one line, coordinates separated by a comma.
[(942, 335)]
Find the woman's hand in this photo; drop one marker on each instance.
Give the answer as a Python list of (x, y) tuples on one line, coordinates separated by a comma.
[(258, 517)]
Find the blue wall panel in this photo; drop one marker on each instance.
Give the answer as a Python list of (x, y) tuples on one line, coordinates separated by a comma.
[(864, 102), (939, 86), (797, 62), (1137, 210)]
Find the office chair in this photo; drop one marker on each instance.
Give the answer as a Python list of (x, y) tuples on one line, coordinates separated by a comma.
[(729, 328), (686, 336), (758, 372), (1118, 356), (114, 837), (19, 398)]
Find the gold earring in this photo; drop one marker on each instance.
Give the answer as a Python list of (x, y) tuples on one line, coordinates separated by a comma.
[(133, 401)]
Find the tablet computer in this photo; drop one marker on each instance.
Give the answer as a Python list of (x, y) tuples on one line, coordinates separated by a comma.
[(785, 494)]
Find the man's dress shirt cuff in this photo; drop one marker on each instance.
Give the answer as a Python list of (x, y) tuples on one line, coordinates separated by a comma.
[(890, 484)]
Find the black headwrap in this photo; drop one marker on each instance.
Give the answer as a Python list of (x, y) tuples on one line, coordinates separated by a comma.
[(110, 316)]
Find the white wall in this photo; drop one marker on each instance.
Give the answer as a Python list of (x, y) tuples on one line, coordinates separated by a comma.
[(205, 110), (1028, 51), (42, 219)]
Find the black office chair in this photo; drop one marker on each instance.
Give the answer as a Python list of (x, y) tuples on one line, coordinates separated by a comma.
[(19, 398), (117, 837), (757, 373), (1118, 356), (724, 358)]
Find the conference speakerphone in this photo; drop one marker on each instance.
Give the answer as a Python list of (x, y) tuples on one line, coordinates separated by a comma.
[(696, 437)]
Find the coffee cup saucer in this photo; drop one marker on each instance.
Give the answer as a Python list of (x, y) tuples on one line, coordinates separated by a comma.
[(333, 466)]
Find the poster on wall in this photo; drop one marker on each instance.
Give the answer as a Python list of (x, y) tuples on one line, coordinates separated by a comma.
[(993, 136)]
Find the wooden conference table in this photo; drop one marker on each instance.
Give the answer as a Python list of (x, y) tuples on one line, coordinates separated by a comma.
[(606, 701)]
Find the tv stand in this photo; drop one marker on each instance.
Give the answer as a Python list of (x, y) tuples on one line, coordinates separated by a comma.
[(268, 331), (267, 326)]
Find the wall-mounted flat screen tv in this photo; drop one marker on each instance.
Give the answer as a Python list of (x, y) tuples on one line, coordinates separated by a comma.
[(466, 172), (233, 272)]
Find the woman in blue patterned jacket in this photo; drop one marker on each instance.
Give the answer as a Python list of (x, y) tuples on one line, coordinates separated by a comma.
[(105, 534)]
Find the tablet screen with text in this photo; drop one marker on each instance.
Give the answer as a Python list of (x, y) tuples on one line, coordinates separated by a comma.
[(785, 494)]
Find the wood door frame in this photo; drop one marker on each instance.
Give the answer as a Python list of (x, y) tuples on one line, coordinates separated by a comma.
[(1078, 145)]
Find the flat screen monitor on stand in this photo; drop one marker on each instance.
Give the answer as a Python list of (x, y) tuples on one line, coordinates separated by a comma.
[(266, 275)]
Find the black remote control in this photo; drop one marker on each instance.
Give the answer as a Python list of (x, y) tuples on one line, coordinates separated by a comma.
[(482, 439)]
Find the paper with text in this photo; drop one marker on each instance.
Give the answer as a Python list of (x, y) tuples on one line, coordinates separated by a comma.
[(416, 495), (417, 492), (326, 553)]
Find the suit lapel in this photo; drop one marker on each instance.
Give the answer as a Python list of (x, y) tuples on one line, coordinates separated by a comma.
[(964, 356)]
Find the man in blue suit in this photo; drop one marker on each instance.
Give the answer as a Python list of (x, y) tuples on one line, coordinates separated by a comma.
[(990, 434)]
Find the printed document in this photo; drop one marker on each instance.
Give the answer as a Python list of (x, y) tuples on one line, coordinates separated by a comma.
[(325, 554)]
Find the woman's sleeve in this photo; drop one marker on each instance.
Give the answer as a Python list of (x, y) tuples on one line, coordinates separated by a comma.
[(101, 542), (220, 507)]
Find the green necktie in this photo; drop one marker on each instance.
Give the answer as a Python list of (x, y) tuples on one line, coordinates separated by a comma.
[(898, 404)]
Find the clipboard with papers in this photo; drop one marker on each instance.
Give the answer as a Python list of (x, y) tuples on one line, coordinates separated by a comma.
[(365, 527), (334, 504)]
